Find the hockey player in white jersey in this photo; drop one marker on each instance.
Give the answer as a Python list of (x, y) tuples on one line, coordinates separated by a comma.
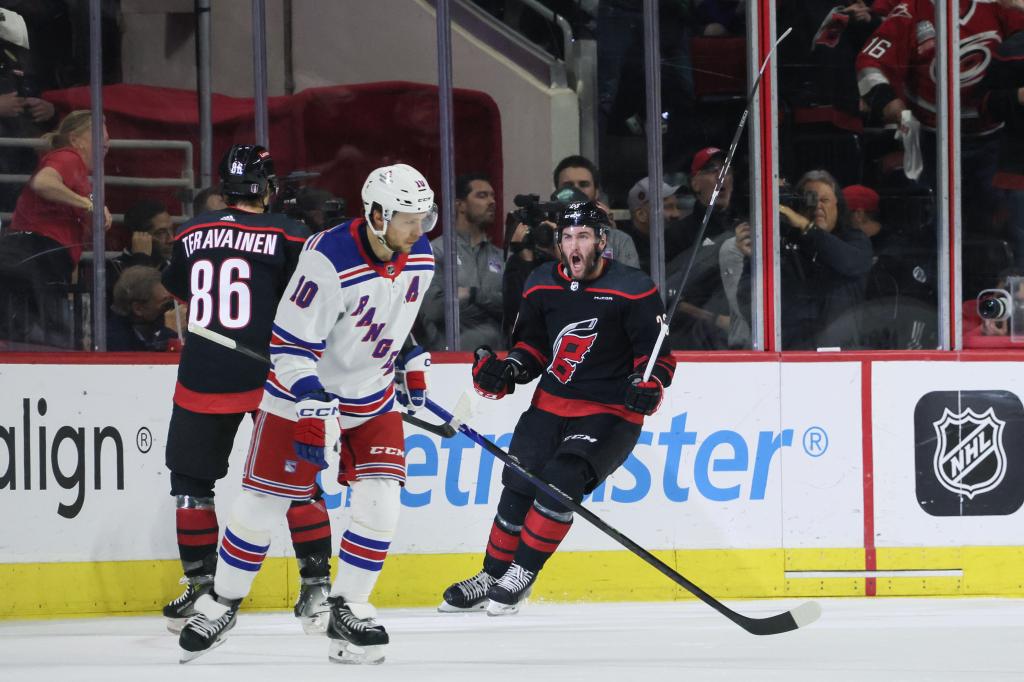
[(338, 366)]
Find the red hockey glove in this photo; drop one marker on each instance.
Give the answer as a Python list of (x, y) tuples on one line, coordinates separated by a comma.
[(492, 378), (411, 379), (643, 396), (318, 427)]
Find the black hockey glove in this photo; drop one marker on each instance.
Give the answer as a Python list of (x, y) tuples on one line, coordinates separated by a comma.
[(643, 396), (492, 378)]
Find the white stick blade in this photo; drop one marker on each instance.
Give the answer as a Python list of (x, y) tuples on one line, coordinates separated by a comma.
[(806, 613), (211, 335)]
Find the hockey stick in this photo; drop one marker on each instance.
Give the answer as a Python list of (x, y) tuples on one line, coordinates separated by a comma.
[(665, 321), (801, 616), (442, 430)]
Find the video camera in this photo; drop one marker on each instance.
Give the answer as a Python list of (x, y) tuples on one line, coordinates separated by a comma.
[(1005, 305), (799, 202), (315, 207), (533, 213)]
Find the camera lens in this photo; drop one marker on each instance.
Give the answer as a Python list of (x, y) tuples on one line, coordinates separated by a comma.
[(992, 306)]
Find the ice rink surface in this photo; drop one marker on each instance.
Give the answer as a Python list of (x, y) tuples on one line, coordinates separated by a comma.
[(856, 639)]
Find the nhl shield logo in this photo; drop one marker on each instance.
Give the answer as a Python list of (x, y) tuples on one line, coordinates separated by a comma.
[(969, 456), (390, 269)]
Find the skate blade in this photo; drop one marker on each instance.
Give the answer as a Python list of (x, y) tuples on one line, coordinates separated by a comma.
[(348, 653), (176, 625), (187, 656), (498, 609), (445, 607), (315, 625)]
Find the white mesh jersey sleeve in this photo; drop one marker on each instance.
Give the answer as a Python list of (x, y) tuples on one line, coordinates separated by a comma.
[(305, 317)]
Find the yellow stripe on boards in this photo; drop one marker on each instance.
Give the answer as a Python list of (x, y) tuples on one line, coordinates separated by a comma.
[(417, 580)]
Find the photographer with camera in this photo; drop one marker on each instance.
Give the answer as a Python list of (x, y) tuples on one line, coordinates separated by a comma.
[(480, 266), (824, 265)]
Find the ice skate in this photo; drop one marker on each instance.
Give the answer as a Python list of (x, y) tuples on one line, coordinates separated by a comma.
[(510, 590), (209, 627), (181, 609), (467, 595), (355, 637), (312, 608)]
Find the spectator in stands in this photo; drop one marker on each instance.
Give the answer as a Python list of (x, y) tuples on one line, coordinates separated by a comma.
[(529, 249), (136, 319), (580, 172), (480, 267), (734, 265), (152, 240), (704, 171), (52, 220), (720, 17), (23, 113), (208, 199), (862, 203), (824, 266), (639, 227)]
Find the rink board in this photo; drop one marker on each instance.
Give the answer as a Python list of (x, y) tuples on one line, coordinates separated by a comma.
[(757, 478)]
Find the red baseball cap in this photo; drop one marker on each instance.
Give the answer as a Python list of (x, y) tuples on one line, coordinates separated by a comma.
[(859, 197), (701, 158)]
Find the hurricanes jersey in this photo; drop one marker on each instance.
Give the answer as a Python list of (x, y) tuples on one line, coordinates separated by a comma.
[(586, 338), (230, 267), (343, 321), (902, 54)]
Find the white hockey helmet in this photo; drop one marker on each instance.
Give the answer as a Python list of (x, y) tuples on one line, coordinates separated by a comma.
[(398, 189)]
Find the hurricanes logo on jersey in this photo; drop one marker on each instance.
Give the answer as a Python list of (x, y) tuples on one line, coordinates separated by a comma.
[(571, 347)]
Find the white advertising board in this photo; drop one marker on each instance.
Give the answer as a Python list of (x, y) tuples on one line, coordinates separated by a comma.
[(730, 461)]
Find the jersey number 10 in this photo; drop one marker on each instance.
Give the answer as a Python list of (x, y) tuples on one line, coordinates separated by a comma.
[(226, 291)]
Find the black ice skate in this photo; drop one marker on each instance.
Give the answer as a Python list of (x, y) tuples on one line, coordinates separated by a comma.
[(510, 591), (467, 595), (312, 608), (183, 608), (355, 636), (209, 627)]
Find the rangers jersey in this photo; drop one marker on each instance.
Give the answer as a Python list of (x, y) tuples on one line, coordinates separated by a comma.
[(342, 322), (901, 55), (586, 338)]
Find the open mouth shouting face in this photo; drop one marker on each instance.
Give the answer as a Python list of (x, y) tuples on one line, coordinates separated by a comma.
[(581, 251)]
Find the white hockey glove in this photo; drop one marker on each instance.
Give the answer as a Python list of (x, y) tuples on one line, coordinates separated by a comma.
[(411, 379), (318, 427)]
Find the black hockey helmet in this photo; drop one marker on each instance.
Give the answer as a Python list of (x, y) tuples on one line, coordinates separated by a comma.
[(583, 214), (247, 171)]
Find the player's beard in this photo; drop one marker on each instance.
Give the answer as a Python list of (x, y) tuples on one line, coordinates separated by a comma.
[(591, 261)]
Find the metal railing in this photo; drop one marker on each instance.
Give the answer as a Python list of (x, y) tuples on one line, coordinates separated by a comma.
[(186, 181)]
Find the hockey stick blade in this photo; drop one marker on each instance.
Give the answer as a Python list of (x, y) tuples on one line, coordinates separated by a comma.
[(801, 616), (442, 430)]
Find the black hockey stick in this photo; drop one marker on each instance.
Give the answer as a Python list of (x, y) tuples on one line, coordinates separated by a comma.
[(443, 430), (801, 616), (719, 183)]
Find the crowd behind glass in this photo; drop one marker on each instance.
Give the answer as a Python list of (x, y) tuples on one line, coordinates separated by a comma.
[(858, 254)]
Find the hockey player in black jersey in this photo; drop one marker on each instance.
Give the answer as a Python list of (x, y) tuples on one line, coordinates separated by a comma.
[(231, 266), (586, 326)]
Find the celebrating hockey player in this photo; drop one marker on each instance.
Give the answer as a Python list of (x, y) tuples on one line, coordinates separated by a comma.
[(338, 366), (587, 326), (231, 267)]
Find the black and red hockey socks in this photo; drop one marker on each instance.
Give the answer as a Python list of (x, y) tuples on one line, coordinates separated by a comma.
[(504, 538), (197, 539), (543, 530), (311, 537)]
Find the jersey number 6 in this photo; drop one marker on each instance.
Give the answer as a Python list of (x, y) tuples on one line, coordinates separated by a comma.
[(229, 294)]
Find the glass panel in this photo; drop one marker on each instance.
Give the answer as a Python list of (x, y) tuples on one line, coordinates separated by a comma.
[(992, 177), (858, 252), (45, 244), (704, 91), (342, 108)]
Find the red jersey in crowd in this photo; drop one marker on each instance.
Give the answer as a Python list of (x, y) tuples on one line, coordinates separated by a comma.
[(901, 53), (60, 222)]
